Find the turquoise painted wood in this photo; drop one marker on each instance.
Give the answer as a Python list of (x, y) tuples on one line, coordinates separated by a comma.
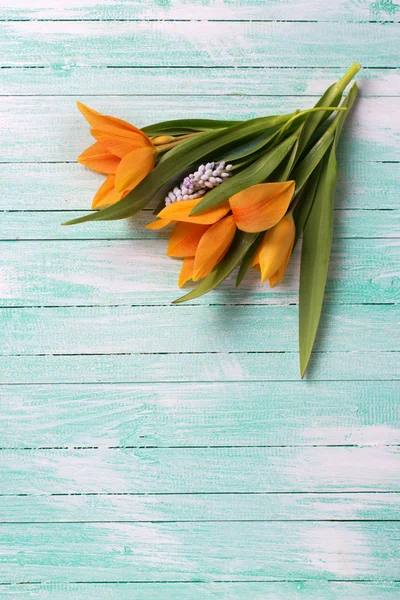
[(230, 413), (50, 125), (206, 591), (152, 451), (69, 186), (334, 366), (286, 10), (170, 551)]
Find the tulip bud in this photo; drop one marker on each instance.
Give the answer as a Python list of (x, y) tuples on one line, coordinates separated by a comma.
[(274, 251), (159, 140)]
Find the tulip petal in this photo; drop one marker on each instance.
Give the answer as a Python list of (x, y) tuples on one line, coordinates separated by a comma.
[(134, 167), (278, 276), (158, 224), (97, 158), (106, 194), (213, 246), (99, 121), (119, 141), (275, 247), (261, 206), (184, 239), (186, 272), (179, 211)]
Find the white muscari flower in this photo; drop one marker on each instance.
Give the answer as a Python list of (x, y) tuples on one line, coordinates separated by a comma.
[(196, 184)]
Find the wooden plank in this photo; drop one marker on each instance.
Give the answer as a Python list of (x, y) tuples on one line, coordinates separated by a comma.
[(192, 328), (137, 272), (341, 10), (197, 44), (69, 186), (304, 590), (199, 551), (52, 130), (208, 414), (46, 226), (201, 470), (70, 81), (120, 368), (199, 507)]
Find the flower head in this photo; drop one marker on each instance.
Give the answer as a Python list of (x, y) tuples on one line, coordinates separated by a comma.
[(261, 206), (121, 150), (274, 252), (203, 239)]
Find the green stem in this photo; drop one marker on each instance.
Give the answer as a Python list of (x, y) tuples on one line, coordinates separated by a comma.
[(348, 76), (305, 112)]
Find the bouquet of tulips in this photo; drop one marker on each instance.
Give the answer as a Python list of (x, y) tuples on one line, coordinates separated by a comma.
[(236, 193)]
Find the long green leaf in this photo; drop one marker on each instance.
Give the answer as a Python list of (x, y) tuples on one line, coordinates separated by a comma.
[(255, 173), (250, 147), (331, 97), (307, 195), (236, 252), (187, 126), (177, 159), (316, 248), (317, 241), (304, 169)]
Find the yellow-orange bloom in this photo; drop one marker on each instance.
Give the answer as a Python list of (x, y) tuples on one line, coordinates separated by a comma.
[(274, 252), (213, 246), (97, 158), (202, 240), (186, 272), (121, 149), (184, 239), (261, 206), (180, 211)]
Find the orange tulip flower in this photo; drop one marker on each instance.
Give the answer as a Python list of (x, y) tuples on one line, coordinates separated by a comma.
[(213, 246), (180, 211), (261, 206), (274, 252), (184, 239), (201, 240), (121, 150)]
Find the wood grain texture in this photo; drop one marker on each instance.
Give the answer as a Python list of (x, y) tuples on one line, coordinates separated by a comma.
[(196, 551), (47, 226), (137, 272), (69, 186), (341, 10), (69, 80), (300, 590), (152, 451), (125, 508), (45, 129), (195, 367), (208, 414), (197, 44), (192, 328), (200, 470)]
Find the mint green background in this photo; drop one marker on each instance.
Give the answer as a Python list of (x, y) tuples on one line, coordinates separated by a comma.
[(151, 451)]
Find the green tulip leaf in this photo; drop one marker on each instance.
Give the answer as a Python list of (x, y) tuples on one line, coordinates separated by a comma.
[(317, 241), (331, 97), (179, 126), (316, 248), (307, 195), (255, 173)]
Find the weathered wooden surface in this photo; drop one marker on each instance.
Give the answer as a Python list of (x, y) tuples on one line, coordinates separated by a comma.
[(150, 451)]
